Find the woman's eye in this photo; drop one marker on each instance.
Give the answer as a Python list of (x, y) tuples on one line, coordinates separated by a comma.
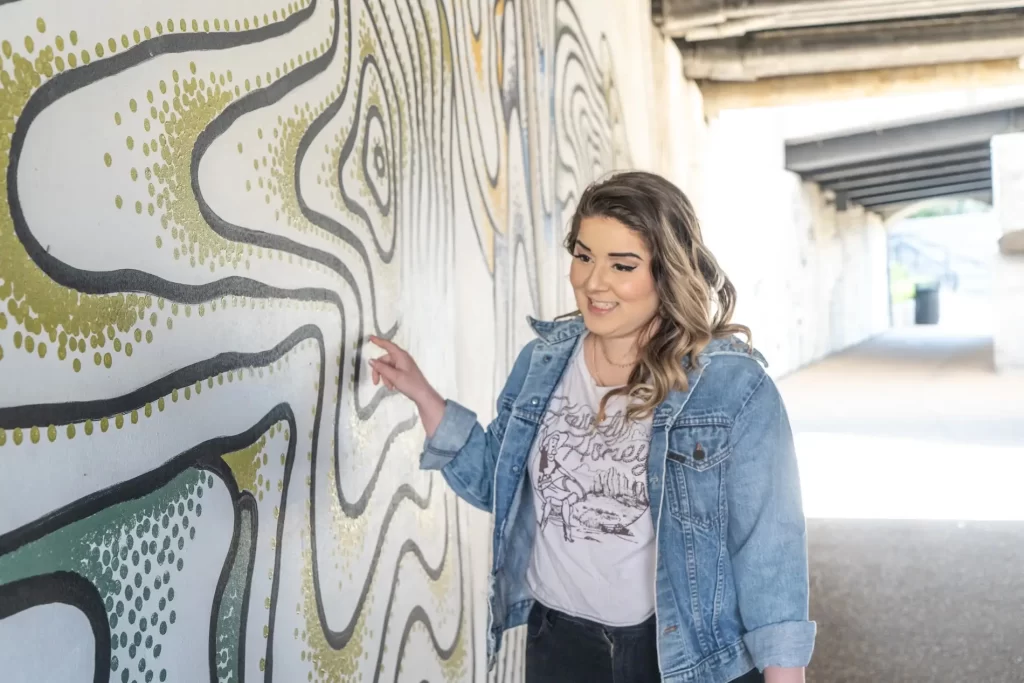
[(624, 269), (583, 257)]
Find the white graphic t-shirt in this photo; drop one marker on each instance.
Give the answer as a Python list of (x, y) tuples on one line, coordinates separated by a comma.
[(594, 553)]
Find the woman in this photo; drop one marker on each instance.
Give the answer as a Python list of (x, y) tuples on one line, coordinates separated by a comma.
[(684, 559)]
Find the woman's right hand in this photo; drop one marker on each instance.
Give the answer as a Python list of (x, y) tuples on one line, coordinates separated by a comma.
[(399, 372)]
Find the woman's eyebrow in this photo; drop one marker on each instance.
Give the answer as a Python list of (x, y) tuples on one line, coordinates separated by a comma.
[(618, 254)]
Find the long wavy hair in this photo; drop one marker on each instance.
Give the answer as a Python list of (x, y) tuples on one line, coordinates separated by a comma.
[(696, 299)]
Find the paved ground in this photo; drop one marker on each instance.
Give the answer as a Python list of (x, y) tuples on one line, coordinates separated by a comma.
[(912, 460)]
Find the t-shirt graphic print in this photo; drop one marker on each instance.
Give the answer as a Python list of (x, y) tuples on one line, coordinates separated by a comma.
[(594, 550), (596, 478)]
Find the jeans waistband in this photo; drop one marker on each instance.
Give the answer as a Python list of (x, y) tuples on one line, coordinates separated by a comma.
[(642, 629)]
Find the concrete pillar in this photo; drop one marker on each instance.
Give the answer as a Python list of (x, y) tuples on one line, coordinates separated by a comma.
[(1008, 281)]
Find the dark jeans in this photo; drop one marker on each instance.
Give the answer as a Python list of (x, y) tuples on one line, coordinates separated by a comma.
[(566, 649)]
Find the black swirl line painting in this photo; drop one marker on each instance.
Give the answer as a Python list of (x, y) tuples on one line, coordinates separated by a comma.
[(205, 209)]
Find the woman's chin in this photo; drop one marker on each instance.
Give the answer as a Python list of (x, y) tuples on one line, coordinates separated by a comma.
[(594, 325)]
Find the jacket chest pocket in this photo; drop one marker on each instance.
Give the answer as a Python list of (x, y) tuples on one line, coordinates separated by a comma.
[(695, 468)]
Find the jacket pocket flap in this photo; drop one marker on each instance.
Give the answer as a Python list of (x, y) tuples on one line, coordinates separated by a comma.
[(699, 446)]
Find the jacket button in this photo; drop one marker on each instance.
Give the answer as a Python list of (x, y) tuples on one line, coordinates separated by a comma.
[(547, 359), (515, 469), (698, 452), (534, 401)]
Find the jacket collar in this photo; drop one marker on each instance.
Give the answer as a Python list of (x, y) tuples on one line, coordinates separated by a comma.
[(554, 331), (564, 335)]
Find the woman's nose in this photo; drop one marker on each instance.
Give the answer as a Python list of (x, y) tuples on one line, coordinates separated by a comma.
[(596, 279)]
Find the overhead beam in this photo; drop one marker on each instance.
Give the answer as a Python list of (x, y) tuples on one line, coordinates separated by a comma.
[(977, 153), (695, 19), (783, 91), (839, 14), (857, 47), (908, 140), (890, 211), (675, 17), (918, 195), (953, 179), (925, 173)]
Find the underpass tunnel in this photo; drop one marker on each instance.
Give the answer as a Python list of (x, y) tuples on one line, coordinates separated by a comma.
[(208, 206), (911, 442), (948, 187), (903, 126)]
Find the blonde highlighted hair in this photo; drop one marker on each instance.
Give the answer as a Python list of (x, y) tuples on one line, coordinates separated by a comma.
[(696, 299)]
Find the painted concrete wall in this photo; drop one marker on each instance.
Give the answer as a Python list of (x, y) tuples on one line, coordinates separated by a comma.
[(812, 280), (206, 207), (1008, 285)]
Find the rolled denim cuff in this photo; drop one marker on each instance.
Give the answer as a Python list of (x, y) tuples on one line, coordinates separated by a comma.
[(449, 438), (785, 644)]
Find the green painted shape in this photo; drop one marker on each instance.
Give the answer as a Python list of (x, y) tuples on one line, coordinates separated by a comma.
[(131, 552), (229, 618)]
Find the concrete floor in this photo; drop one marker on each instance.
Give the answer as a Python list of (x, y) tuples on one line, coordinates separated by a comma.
[(912, 464)]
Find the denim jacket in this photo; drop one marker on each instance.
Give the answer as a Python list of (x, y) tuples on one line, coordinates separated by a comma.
[(731, 583)]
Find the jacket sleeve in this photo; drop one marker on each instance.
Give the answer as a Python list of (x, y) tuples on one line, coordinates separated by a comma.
[(767, 537), (465, 452)]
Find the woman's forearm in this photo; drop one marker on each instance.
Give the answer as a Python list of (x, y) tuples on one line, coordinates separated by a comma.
[(431, 408), (778, 674)]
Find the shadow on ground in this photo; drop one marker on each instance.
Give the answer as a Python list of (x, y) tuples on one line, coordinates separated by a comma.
[(912, 462), (917, 601)]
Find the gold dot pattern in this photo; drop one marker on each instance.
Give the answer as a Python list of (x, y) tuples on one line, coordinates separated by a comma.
[(146, 166), (55, 432), (328, 663), (277, 150), (35, 303), (186, 106)]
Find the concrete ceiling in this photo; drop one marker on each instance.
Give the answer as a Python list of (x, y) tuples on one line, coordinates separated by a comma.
[(746, 40), (886, 169)]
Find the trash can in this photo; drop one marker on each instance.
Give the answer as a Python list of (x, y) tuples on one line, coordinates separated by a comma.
[(926, 303)]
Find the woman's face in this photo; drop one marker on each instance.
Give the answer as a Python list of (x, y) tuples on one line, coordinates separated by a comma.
[(611, 278)]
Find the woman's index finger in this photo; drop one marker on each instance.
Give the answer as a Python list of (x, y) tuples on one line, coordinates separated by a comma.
[(388, 346)]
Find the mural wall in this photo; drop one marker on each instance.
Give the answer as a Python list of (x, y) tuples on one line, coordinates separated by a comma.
[(205, 208)]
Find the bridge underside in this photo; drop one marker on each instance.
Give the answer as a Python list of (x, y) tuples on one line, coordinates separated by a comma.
[(887, 169), (747, 40)]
